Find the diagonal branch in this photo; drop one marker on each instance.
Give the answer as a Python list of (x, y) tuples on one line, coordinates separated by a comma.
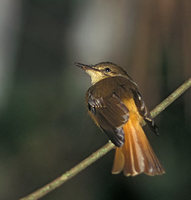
[(103, 150)]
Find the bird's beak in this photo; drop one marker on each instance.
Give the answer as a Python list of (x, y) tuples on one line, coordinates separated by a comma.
[(86, 67)]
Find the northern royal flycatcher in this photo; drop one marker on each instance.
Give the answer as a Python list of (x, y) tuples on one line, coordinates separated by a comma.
[(116, 106)]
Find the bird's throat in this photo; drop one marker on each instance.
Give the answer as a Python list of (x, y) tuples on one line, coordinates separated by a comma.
[(96, 76)]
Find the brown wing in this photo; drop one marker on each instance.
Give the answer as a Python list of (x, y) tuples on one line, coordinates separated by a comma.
[(144, 111), (108, 111)]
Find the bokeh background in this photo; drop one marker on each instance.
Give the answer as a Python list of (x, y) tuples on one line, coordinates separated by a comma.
[(44, 126)]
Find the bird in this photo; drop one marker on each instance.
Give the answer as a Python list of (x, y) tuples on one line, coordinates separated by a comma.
[(117, 108)]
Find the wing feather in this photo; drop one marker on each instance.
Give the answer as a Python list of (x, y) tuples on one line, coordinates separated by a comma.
[(109, 112)]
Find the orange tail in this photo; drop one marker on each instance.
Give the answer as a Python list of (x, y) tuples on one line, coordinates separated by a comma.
[(136, 155)]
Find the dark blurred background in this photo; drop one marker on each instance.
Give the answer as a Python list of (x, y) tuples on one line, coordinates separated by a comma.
[(44, 126)]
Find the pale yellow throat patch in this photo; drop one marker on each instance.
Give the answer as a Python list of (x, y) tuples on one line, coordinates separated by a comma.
[(95, 76)]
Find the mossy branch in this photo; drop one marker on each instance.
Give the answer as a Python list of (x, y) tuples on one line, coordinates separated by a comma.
[(102, 151)]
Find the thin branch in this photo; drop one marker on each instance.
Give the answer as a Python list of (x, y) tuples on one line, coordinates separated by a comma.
[(178, 92), (102, 151)]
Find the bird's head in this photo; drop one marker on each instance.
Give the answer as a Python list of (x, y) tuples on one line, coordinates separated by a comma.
[(102, 70)]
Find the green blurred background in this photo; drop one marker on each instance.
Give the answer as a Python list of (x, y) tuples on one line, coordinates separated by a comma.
[(44, 126)]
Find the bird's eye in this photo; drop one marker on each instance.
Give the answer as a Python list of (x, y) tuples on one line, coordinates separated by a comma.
[(107, 69)]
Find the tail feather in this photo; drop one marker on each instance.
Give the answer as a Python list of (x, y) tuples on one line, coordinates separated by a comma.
[(136, 155), (119, 161)]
